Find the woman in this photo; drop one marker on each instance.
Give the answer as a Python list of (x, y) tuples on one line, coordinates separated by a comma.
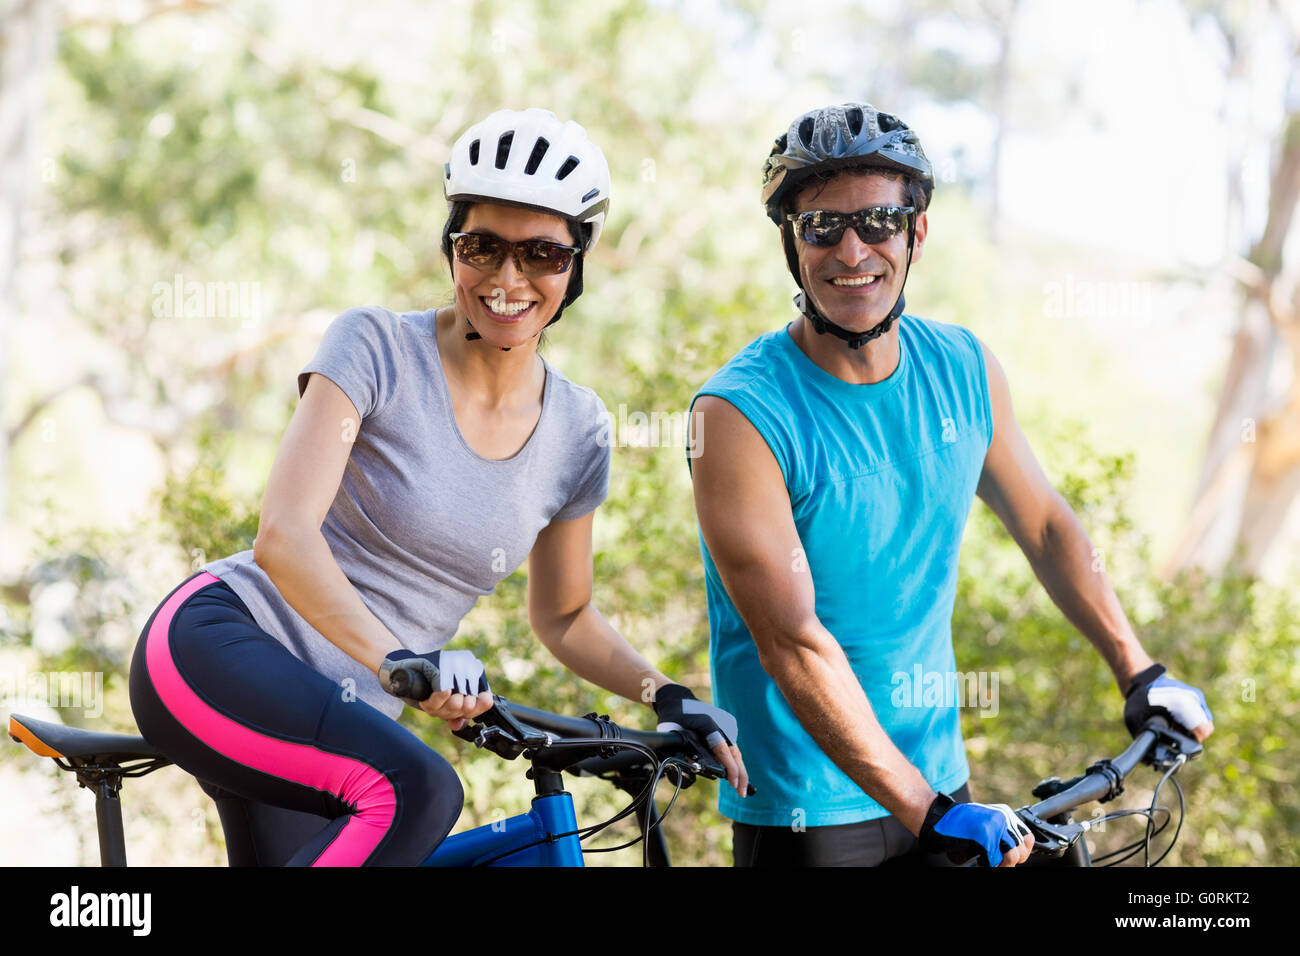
[(430, 454)]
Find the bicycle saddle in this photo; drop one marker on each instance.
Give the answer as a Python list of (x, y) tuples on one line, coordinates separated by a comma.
[(55, 740)]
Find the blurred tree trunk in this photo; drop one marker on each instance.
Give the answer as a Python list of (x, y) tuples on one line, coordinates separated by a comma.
[(27, 32), (1251, 472), (1002, 17), (1275, 474)]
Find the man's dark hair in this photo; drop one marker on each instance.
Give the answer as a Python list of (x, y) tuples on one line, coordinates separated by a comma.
[(913, 194)]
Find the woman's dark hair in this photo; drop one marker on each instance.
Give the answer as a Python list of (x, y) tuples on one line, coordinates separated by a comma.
[(456, 223)]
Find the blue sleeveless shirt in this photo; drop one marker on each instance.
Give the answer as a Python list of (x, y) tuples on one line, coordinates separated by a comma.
[(881, 480)]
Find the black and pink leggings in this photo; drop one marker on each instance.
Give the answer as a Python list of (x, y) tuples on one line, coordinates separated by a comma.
[(301, 774)]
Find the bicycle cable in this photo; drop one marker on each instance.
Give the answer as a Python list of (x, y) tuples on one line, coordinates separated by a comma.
[(1144, 844), (649, 791), (1182, 813), (1131, 849)]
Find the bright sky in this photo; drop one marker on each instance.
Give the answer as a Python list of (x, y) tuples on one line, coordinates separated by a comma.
[(1154, 125), (1152, 121)]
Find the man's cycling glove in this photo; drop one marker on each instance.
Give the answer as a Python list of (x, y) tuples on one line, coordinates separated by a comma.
[(1155, 694), (971, 830)]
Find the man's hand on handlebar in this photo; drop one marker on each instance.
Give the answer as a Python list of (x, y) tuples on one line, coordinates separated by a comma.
[(990, 833), (1153, 693)]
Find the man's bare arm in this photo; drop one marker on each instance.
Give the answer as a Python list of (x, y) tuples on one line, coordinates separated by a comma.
[(1058, 548), (744, 512)]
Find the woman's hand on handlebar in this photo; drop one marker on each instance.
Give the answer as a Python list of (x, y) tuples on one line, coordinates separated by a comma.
[(457, 709), (444, 683), (678, 708), (729, 756)]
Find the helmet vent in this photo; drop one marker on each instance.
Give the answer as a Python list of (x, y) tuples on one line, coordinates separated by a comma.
[(854, 116), (503, 148), (590, 194), (806, 131), (887, 122), (536, 156), (473, 153), (569, 166)]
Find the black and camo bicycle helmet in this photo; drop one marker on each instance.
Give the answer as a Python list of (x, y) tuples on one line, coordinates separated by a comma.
[(853, 135)]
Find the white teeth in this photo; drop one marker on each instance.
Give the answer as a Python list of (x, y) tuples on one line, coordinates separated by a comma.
[(854, 282), (507, 308)]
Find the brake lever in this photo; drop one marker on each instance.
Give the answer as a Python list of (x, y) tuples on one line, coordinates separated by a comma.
[(494, 739), (705, 764), (499, 714), (1169, 745), (498, 730), (1050, 839)]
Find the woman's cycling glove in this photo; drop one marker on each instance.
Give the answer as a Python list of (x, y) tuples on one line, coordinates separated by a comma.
[(678, 709), (457, 671)]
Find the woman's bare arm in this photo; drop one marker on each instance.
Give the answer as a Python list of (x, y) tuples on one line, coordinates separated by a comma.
[(290, 547)]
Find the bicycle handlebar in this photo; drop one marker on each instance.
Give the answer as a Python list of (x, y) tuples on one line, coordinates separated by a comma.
[(582, 727), (510, 729), (409, 683), (1096, 784), (512, 723), (1157, 744)]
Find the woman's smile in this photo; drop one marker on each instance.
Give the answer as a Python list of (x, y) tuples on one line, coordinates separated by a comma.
[(507, 311)]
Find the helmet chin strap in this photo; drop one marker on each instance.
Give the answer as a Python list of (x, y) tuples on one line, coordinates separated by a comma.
[(821, 325), (471, 335), (855, 340)]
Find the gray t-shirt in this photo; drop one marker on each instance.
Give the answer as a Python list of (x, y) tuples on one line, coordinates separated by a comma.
[(422, 525)]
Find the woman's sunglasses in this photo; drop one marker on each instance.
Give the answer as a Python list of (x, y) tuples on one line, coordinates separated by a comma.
[(533, 257), (874, 225)]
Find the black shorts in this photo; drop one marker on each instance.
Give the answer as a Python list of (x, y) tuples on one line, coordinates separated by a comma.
[(880, 842)]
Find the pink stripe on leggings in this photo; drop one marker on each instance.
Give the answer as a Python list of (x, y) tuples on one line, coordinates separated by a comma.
[(360, 785)]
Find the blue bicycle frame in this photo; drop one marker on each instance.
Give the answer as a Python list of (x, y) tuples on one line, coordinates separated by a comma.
[(547, 835), (552, 814)]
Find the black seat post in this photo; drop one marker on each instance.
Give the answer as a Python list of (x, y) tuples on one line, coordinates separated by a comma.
[(99, 761), (105, 783)]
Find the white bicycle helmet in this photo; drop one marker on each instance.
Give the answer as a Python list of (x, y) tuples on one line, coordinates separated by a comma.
[(530, 158)]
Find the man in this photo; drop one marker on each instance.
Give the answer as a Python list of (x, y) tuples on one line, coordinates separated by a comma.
[(843, 453)]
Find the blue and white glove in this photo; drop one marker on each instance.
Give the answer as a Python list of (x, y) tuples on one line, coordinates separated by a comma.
[(678, 709), (1155, 694), (457, 671), (971, 830)]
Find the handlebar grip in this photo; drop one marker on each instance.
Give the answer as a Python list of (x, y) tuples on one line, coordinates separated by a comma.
[(408, 682)]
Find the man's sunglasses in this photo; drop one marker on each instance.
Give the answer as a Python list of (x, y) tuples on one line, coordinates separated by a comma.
[(533, 257), (874, 225)]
